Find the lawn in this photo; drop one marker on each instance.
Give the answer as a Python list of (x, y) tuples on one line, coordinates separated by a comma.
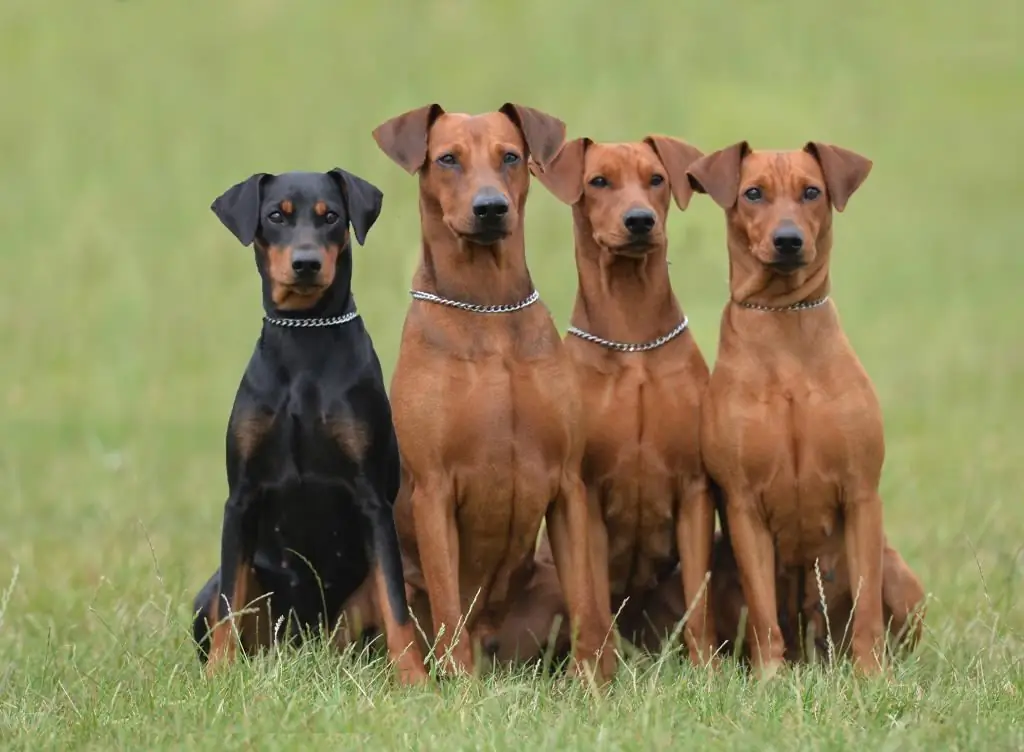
[(127, 313)]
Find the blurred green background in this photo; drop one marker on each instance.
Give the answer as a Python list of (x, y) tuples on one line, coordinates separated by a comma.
[(127, 312)]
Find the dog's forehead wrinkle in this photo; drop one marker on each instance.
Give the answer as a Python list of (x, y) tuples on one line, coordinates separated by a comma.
[(620, 158), (306, 194)]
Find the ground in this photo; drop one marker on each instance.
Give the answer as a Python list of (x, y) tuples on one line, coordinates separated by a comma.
[(127, 314)]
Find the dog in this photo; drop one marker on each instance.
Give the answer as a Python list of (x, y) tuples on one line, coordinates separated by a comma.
[(642, 377), (486, 403), (308, 534), (791, 427)]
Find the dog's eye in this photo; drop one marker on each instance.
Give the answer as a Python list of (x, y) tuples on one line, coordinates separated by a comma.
[(753, 195), (510, 158), (331, 217), (276, 217), (657, 179), (448, 160), (599, 181), (811, 193)]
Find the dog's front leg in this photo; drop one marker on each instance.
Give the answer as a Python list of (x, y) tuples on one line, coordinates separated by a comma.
[(755, 558), (695, 534), (437, 538), (389, 590), (864, 549), (235, 575), (568, 522)]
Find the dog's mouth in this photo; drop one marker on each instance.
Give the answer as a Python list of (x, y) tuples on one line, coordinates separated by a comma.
[(630, 247), (484, 235), (634, 248), (303, 288), (786, 266)]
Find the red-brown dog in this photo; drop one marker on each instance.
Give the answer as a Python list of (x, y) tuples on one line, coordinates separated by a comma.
[(791, 427), (486, 404), (642, 377)]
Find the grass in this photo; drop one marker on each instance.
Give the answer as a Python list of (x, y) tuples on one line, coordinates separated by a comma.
[(127, 314)]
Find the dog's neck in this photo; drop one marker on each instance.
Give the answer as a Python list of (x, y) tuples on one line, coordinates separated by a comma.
[(751, 282), (621, 298), (454, 268)]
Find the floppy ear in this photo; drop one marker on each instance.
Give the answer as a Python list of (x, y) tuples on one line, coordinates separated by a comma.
[(362, 199), (238, 208), (718, 174), (563, 175), (844, 171), (677, 156), (404, 138), (544, 134)]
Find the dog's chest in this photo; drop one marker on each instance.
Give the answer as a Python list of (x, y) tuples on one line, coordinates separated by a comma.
[(494, 411), (640, 424), (303, 434), (795, 442), (642, 450)]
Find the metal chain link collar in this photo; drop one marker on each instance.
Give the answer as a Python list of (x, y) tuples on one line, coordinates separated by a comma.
[(303, 323), (630, 347), (801, 306), (474, 307)]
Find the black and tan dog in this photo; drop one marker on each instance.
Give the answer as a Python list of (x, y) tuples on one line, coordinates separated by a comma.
[(308, 538)]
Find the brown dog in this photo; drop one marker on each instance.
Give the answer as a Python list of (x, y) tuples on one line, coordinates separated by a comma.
[(791, 427), (642, 377), (486, 404)]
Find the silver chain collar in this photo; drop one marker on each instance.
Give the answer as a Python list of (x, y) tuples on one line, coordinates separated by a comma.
[(628, 346), (304, 323), (474, 307), (803, 305)]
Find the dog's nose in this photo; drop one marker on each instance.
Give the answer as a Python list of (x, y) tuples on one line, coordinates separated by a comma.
[(788, 240), (306, 261), (489, 205), (639, 221)]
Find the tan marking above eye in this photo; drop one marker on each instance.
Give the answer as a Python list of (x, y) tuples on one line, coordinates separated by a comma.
[(287, 206), (320, 208)]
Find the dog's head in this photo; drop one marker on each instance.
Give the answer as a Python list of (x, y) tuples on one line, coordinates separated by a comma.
[(622, 191), (779, 204), (299, 223), (473, 168)]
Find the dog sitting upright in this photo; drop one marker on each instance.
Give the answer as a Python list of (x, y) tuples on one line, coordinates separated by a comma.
[(791, 427), (642, 377), (312, 459), (486, 403)]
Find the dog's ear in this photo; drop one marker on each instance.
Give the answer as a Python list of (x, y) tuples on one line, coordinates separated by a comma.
[(238, 208), (677, 156), (844, 170), (563, 175), (544, 134), (718, 174), (363, 200), (404, 138)]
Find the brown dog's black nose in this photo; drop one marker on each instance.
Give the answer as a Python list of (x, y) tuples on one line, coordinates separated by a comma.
[(639, 221), (306, 261), (489, 205), (788, 240)]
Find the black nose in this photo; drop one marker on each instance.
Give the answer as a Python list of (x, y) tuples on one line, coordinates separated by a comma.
[(639, 221), (788, 240), (489, 205), (306, 261)]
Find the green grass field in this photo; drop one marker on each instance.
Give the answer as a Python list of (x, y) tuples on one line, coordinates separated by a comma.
[(127, 314)]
